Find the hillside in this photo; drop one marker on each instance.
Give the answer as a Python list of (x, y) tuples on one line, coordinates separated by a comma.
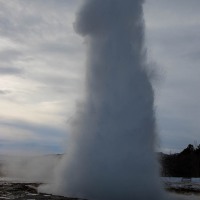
[(183, 164)]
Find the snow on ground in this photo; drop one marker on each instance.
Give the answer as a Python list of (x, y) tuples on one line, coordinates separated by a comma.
[(184, 184), (178, 179), (182, 188), (183, 197), (178, 190), (13, 180)]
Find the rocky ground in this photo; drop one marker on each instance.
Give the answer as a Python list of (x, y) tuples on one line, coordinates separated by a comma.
[(177, 185), (25, 191), (10, 189), (183, 189)]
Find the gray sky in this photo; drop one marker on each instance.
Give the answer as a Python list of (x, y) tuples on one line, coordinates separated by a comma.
[(42, 72)]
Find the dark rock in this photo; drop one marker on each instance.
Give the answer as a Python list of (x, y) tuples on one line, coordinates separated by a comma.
[(22, 191)]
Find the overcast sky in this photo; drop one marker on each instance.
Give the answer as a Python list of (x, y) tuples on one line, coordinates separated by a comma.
[(42, 72)]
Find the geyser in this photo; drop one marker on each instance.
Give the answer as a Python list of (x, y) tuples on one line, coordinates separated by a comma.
[(110, 154)]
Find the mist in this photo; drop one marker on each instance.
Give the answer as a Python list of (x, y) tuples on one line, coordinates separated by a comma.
[(30, 168), (110, 150)]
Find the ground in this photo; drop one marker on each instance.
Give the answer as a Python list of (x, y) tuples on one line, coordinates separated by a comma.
[(18, 190), (25, 191), (182, 185)]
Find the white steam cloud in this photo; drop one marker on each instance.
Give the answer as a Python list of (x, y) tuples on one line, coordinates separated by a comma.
[(29, 168), (110, 154)]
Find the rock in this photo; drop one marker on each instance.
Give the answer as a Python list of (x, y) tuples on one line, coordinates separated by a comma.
[(22, 191)]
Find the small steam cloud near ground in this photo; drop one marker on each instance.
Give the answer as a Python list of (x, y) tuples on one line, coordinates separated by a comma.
[(30, 168), (110, 152)]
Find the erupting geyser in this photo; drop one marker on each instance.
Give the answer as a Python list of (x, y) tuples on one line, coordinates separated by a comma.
[(110, 154)]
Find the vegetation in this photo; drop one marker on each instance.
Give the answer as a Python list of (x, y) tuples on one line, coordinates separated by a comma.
[(183, 164)]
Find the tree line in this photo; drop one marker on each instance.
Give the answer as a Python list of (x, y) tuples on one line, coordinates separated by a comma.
[(183, 164)]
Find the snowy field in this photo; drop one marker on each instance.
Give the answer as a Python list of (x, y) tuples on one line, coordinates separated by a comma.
[(13, 180), (178, 189), (182, 185), (183, 197), (178, 179), (182, 189)]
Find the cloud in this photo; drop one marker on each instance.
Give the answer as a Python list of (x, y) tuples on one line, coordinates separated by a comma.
[(42, 45), (36, 128), (29, 147), (42, 59), (58, 48), (9, 55), (42, 53), (173, 42), (24, 135), (4, 92), (10, 71)]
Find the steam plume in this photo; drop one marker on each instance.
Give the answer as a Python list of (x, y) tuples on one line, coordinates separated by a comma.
[(110, 151)]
